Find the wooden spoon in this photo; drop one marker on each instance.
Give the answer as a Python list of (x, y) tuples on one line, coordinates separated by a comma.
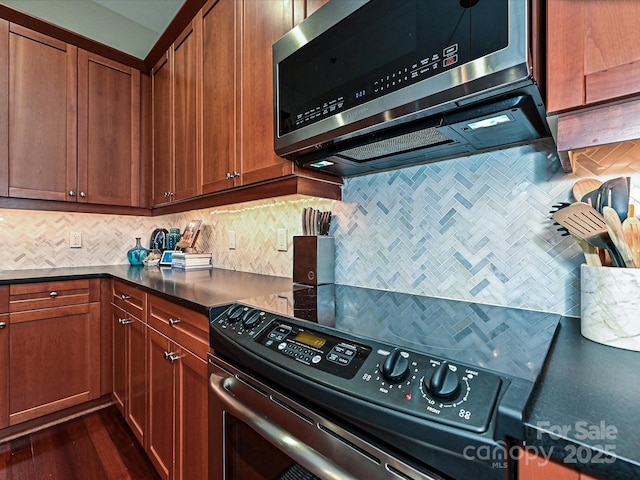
[(614, 226), (584, 186), (631, 229)]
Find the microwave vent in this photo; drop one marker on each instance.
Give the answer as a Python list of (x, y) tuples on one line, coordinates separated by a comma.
[(409, 141)]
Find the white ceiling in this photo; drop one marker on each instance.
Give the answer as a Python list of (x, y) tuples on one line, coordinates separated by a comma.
[(132, 26)]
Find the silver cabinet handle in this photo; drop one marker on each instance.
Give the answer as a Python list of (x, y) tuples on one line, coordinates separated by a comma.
[(125, 297), (2, 325), (124, 321), (72, 193), (229, 176), (236, 174), (306, 456), (53, 294), (174, 321), (171, 356), (83, 195)]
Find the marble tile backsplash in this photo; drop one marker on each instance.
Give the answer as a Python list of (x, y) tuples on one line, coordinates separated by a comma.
[(475, 228)]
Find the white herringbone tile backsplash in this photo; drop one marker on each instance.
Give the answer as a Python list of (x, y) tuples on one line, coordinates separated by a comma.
[(475, 228)]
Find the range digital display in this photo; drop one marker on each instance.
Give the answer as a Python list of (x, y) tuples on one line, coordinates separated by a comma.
[(310, 340)]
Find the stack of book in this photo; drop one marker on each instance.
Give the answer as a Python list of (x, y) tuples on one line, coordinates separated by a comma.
[(191, 261)]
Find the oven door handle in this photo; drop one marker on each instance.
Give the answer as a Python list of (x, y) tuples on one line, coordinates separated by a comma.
[(298, 451)]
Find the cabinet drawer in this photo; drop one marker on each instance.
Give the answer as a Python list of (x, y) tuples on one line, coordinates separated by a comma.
[(35, 296), (130, 298), (186, 327)]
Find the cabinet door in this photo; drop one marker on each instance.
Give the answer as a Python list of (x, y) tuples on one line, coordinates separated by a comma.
[(186, 112), (43, 113), (108, 131), (4, 106), (218, 95), (137, 377), (534, 467), (161, 403), (593, 52), (191, 417), (162, 132), (4, 369), (119, 358), (54, 360), (262, 23)]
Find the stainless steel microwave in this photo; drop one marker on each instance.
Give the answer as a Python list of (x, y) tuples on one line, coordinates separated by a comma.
[(368, 85)]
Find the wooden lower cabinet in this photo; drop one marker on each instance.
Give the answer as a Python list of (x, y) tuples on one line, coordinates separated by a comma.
[(159, 384), (129, 369), (4, 371), (54, 347), (177, 435), (161, 403), (534, 467), (191, 416)]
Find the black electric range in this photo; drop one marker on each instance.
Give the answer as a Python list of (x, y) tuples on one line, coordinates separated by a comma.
[(445, 383)]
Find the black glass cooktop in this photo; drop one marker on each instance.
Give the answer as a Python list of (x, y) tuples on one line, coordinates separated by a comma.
[(510, 341)]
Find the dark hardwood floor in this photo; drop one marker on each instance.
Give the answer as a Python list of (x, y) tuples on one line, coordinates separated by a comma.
[(97, 446)]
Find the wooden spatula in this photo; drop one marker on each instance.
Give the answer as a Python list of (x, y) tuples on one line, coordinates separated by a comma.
[(586, 223), (631, 229)]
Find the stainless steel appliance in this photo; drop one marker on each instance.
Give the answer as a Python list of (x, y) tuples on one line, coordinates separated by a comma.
[(367, 85), (388, 385)]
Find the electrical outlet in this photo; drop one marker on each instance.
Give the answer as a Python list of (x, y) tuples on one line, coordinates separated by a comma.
[(282, 240), (75, 239), (282, 304), (231, 236)]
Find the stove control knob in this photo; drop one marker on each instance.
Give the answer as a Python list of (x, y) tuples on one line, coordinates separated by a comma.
[(443, 383), (396, 367), (251, 318), (234, 313)]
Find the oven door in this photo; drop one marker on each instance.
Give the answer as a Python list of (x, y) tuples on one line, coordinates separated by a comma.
[(255, 433)]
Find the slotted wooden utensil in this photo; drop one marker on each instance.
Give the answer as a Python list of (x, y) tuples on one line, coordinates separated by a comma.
[(631, 229), (586, 223)]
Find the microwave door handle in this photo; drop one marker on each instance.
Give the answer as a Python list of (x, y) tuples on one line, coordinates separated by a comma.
[(306, 456)]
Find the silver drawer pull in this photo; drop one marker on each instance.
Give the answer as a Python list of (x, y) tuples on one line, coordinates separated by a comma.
[(171, 356), (125, 297), (53, 294), (2, 325), (124, 321), (174, 321)]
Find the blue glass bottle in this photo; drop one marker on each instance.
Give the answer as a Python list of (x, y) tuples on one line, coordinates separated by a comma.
[(137, 254), (172, 238)]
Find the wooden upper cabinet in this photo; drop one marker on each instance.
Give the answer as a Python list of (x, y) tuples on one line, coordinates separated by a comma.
[(70, 128), (108, 131), (42, 108), (593, 52), (176, 120), (162, 131), (219, 133), (186, 70), (4, 108), (261, 24)]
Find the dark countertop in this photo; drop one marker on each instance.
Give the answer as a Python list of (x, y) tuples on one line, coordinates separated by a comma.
[(196, 289), (585, 405)]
